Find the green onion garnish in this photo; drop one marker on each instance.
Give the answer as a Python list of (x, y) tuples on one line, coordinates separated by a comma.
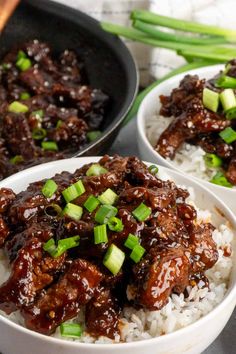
[(100, 234), (23, 64), (63, 245), (226, 82), (21, 55), (91, 203), (104, 213), (59, 123), (73, 211), (228, 99), (38, 114), (210, 99), (221, 180), (39, 133), (17, 159), (49, 188), (142, 212), (96, 170), (137, 253), (73, 191), (53, 210), (49, 145), (228, 135), (212, 160), (108, 197), (24, 96), (153, 169), (131, 241), (115, 224), (17, 107), (72, 330), (93, 135), (114, 259), (231, 113)]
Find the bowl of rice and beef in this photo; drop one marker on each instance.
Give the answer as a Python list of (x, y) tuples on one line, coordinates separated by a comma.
[(112, 255), (188, 123)]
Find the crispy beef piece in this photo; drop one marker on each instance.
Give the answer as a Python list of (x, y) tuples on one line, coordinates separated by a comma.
[(38, 81), (204, 252), (64, 299), (31, 272), (42, 231), (193, 121), (71, 70), (18, 136), (89, 102), (102, 314), (213, 144), (189, 88), (7, 196), (168, 271), (231, 171), (72, 130)]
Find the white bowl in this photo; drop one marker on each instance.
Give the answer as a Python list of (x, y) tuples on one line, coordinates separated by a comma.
[(193, 339), (151, 105)]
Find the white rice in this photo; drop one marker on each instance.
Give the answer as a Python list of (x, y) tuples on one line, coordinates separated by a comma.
[(189, 158), (179, 311)]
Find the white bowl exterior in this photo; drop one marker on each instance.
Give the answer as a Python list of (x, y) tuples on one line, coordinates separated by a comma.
[(151, 105), (193, 339)]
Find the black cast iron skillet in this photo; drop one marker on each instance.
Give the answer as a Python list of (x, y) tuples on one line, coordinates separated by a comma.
[(109, 64)]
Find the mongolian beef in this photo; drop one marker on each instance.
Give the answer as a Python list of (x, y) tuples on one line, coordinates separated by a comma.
[(47, 110), (109, 235), (204, 115)]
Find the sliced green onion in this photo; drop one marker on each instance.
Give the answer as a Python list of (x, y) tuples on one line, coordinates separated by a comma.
[(221, 180), (63, 245), (114, 259), (115, 224), (17, 159), (228, 99), (49, 246), (104, 213), (153, 169), (73, 211), (93, 135), (210, 99), (226, 82), (108, 197), (17, 107), (21, 55), (91, 203), (39, 133), (231, 113), (59, 123), (100, 234), (74, 191), (23, 64), (212, 160), (6, 66), (96, 170), (53, 210), (228, 135), (38, 114), (72, 330), (131, 241), (24, 96), (137, 253), (49, 188), (49, 145), (142, 212)]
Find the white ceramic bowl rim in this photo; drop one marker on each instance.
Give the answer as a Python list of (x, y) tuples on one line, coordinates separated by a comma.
[(228, 298), (141, 119)]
